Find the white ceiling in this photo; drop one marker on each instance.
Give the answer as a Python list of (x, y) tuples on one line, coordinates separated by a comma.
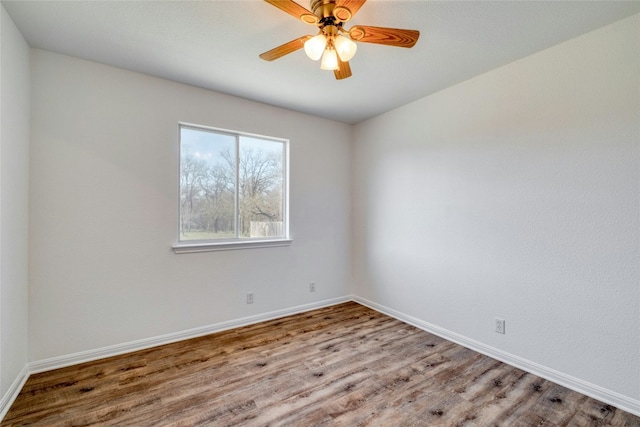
[(215, 45)]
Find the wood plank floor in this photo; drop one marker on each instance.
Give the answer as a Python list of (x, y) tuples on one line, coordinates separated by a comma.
[(344, 365)]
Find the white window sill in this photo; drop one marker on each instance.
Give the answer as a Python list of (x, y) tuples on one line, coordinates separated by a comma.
[(186, 247)]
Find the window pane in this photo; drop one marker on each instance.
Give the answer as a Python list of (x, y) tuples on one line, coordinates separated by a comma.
[(260, 189), (231, 186), (207, 184)]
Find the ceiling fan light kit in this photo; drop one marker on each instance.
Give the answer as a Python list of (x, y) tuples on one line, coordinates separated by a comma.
[(333, 48), (314, 47), (327, 45), (345, 48), (329, 60)]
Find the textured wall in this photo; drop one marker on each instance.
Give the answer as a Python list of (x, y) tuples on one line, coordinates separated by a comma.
[(14, 196), (515, 195), (104, 211)]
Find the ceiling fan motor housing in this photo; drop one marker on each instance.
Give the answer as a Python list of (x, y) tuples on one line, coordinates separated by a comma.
[(327, 9)]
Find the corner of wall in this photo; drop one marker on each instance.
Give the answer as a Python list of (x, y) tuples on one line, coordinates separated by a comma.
[(14, 213)]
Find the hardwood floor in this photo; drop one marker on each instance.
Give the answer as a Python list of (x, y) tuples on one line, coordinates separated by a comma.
[(344, 365)]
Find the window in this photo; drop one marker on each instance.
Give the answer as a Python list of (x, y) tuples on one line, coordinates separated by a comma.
[(233, 190)]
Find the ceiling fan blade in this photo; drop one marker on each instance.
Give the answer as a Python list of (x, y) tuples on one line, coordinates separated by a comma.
[(343, 71), (352, 7), (387, 36), (282, 50), (295, 10)]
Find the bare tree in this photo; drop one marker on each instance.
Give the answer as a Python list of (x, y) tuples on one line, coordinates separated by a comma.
[(208, 191), (259, 187), (192, 172)]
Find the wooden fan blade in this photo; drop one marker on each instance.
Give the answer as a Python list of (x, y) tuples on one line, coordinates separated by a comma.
[(351, 5), (295, 10), (343, 71), (387, 36), (282, 50)]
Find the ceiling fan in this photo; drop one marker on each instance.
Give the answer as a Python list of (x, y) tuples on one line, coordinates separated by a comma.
[(334, 43)]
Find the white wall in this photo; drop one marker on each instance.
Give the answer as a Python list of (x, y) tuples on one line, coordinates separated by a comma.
[(515, 195), (104, 211), (14, 196)]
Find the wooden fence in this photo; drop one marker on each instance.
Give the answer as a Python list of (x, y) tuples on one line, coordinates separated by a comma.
[(265, 229)]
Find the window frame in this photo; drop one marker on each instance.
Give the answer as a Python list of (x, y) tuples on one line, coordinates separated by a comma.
[(237, 242)]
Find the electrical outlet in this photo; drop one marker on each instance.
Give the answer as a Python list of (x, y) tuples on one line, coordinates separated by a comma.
[(249, 297), (312, 287), (499, 325)]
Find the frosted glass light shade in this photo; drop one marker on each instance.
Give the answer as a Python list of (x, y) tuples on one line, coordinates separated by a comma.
[(329, 60), (345, 48), (315, 46)]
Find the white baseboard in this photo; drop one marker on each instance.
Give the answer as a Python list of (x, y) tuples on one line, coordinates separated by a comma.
[(13, 392), (607, 396), (114, 350)]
